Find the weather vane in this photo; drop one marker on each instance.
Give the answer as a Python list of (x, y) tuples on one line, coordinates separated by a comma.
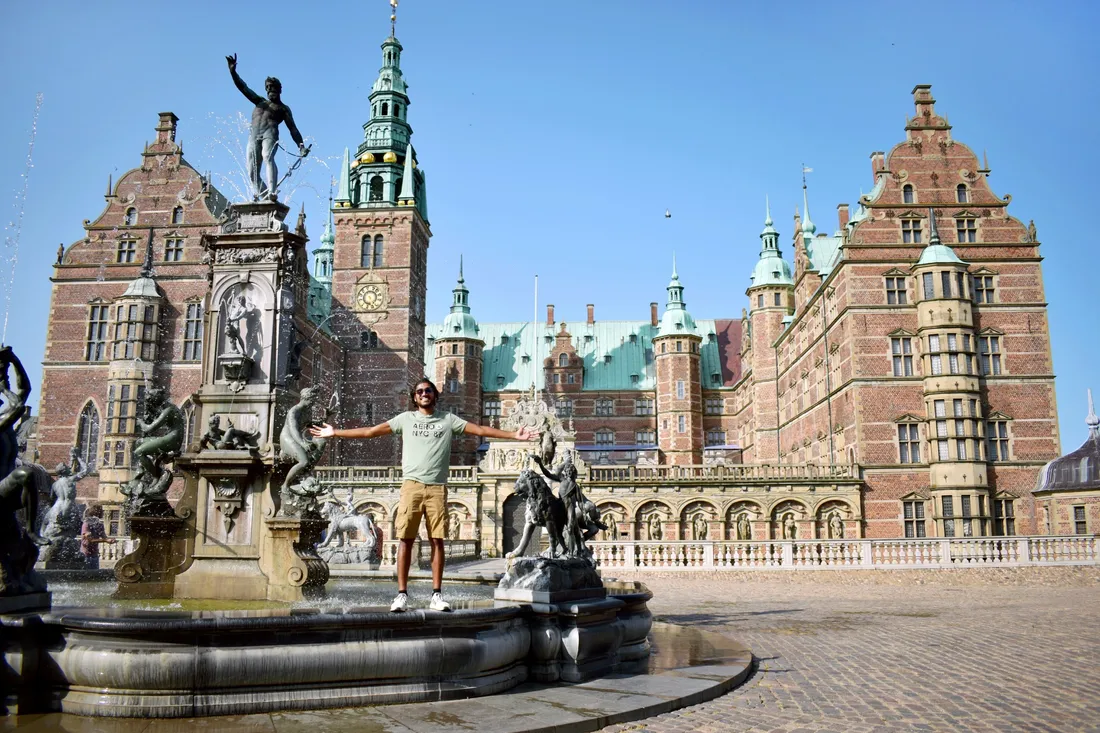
[(393, 18)]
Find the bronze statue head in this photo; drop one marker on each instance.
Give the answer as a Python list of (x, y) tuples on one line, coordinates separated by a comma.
[(274, 88)]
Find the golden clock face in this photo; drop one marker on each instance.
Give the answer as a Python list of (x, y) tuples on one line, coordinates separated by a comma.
[(369, 298)]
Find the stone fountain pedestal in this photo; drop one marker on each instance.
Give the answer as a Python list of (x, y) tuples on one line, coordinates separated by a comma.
[(161, 551), (290, 561)]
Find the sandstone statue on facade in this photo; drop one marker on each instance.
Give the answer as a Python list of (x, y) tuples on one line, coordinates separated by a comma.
[(699, 527), (744, 529), (162, 433), (836, 527), (790, 529), (263, 136), (653, 528)]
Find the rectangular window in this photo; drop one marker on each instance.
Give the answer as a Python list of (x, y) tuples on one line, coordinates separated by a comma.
[(909, 443), (605, 437), (937, 364), (939, 408), (945, 283), (1080, 525), (679, 389), (563, 408), (902, 351), (557, 379), (643, 407), (605, 407), (570, 378), (913, 513), (173, 250), (960, 449), (941, 450), (957, 408), (960, 284), (96, 347), (777, 299), (983, 289), (127, 251), (713, 406), (968, 526), (989, 353), (929, 286), (759, 301), (192, 332), (996, 432), (491, 408), (716, 437), (967, 230), (895, 291), (681, 424), (948, 504), (645, 437), (1004, 517), (910, 231)]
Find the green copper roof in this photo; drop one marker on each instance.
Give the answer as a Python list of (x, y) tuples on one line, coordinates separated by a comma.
[(824, 253), (771, 268), (676, 319), (936, 252), (504, 368)]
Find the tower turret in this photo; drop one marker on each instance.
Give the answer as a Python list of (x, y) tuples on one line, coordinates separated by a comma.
[(945, 325), (458, 365), (676, 350), (320, 284), (771, 299)]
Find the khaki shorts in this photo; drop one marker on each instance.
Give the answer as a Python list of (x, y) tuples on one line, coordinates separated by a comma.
[(421, 500)]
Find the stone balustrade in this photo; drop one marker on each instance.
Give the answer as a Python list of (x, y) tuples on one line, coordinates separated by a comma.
[(847, 554), (110, 554), (337, 475)]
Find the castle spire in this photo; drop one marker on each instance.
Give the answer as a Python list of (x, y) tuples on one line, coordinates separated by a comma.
[(459, 323), (933, 233), (1092, 420), (808, 228), (407, 197), (771, 269), (343, 193)]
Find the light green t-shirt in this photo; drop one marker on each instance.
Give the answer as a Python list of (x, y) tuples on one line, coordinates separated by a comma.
[(426, 444)]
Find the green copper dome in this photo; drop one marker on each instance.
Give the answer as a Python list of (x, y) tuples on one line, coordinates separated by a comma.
[(676, 319), (459, 323), (771, 269)]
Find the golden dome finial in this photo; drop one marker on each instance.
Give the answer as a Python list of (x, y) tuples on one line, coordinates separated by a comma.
[(393, 18)]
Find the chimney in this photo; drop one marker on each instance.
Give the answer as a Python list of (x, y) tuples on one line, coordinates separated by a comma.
[(653, 314), (591, 314), (549, 314), (878, 163), (842, 215), (166, 128)]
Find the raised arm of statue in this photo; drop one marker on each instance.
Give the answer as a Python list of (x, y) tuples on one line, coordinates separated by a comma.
[(545, 471), (161, 421), (82, 469), (251, 95)]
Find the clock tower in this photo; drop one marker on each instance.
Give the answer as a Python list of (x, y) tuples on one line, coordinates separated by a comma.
[(380, 266)]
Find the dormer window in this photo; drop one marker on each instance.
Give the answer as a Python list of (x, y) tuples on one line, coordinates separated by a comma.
[(500, 380), (607, 358), (633, 338), (587, 337), (504, 339), (526, 358), (563, 360), (961, 194), (633, 378), (130, 219), (907, 194), (177, 215)]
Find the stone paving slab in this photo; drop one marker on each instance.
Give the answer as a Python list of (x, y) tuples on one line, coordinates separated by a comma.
[(531, 707)]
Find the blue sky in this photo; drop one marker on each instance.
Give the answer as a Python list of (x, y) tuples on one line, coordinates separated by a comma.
[(555, 135)]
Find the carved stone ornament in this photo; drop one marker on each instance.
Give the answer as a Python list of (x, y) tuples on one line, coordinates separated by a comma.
[(537, 415), (238, 256), (228, 499), (237, 368), (263, 220)]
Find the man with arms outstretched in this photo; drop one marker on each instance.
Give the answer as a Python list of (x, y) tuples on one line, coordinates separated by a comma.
[(426, 435)]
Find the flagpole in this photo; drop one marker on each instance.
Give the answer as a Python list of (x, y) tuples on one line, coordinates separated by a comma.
[(535, 336)]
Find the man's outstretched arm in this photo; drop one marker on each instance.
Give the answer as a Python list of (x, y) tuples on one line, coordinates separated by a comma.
[(327, 431), (524, 433)]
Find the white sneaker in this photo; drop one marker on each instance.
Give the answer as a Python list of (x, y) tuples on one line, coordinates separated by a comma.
[(438, 604), (400, 603)]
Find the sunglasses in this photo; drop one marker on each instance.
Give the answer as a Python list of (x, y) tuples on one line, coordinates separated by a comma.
[(429, 390)]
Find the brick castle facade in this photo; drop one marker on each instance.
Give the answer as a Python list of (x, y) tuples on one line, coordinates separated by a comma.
[(909, 350)]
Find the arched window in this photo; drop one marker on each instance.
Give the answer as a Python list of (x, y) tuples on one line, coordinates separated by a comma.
[(87, 434), (364, 252), (177, 215), (563, 360), (378, 250), (131, 217), (375, 188), (397, 188), (907, 194), (190, 415), (374, 110), (385, 109), (396, 109), (961, 193)]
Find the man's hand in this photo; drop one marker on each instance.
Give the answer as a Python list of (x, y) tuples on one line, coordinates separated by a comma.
[(324, 430), (526, 433), (232, 61)]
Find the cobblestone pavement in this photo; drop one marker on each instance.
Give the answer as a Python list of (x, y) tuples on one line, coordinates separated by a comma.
[(967, 650)]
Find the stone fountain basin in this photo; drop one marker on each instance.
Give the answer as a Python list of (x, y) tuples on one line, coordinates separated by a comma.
[(133, 663)]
